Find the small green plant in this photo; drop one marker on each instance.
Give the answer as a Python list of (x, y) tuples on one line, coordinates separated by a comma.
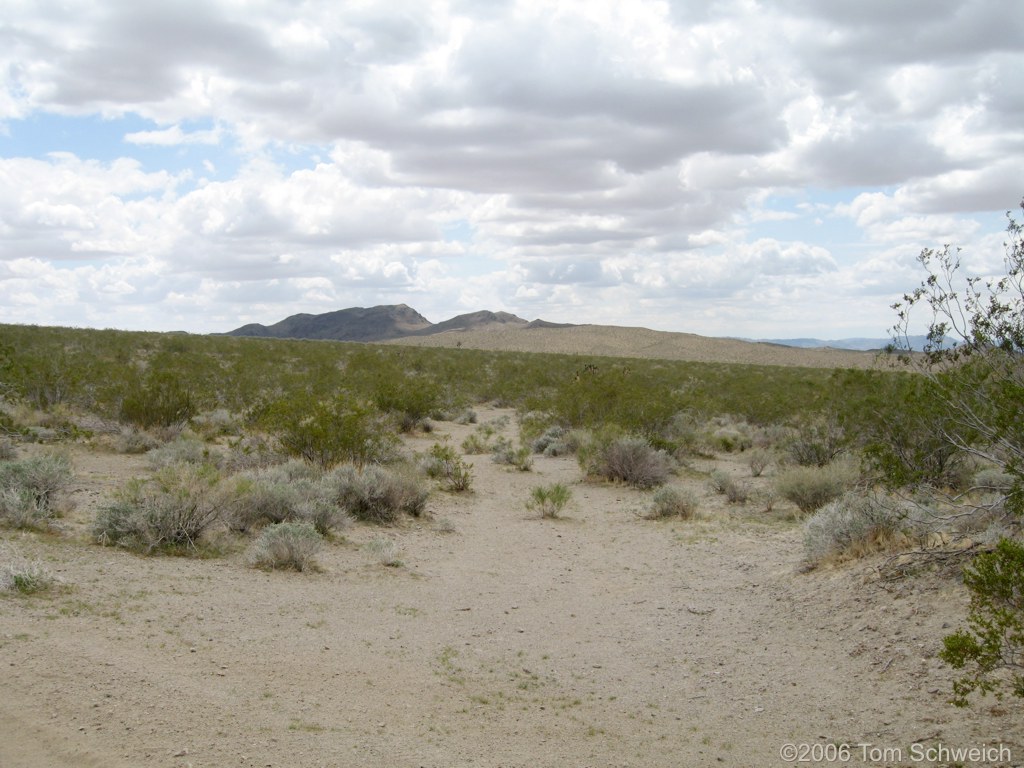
[(443, 464), (549, 500), (992, 646), (672, 502), (291, 545)]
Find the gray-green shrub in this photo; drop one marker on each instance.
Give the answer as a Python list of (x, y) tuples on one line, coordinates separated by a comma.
[(289, 545), (169, 513), (441, 463), (630, 460), (854, 523), (811, 488), (376, 494), (29, 489), (672, 502)]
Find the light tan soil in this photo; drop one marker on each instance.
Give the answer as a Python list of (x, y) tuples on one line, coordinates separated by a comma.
[(600, 639)]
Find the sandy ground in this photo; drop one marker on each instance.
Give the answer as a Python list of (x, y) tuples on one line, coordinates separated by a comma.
[(601, 639), (616, 341)]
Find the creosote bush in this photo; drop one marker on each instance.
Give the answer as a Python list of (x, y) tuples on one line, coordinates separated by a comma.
[(549, 500), (289, 545), (169, 513), (992, 645)]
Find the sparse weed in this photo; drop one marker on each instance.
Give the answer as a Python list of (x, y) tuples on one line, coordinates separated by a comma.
[(520, 458), (443, 464), (758, 460)]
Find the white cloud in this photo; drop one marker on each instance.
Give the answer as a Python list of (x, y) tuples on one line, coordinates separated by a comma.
[(610, 161)]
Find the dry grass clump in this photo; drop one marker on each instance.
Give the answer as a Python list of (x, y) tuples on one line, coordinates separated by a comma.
[(289, 545), (29, 490), (377, 494), (670, 502), (387, 551)]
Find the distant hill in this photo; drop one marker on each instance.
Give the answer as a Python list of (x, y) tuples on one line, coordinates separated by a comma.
[(379, 323), (859, 344), (354, 324)]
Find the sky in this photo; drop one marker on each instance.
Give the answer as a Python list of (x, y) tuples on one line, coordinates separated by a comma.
[(763, 169)]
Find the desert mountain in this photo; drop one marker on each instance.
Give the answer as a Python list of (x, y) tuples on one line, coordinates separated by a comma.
[(374, 324)]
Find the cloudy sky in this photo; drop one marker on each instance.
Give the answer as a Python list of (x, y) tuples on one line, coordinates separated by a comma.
[(765, 168)]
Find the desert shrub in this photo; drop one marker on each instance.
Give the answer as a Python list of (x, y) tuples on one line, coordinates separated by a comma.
[(723, 483), (29, 489), (520, 458), (813, 487), (132, 440), (376, 494), (443, 464), (992, 645), (290, 545), (732, 438), (475, 444), (386, 550), (328, 432), (552, 442), (410, 398), (217, 423), (993, 479), (630, 460), (672, 502), (8, 451), (466, 416), (183, 450), (549, 500), (26, 577), (169, 513), (852, 524), (161, 399), (758, 460), (278, 494), (252, 452), (816, 443)]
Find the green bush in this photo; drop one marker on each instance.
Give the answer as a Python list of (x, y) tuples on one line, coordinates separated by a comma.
[(811, 488), (328, 432), (162, 399), (377, 495), (672, 502), (169, 513), (549, 500), (816, 442), (291, 545), (992, 646)]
